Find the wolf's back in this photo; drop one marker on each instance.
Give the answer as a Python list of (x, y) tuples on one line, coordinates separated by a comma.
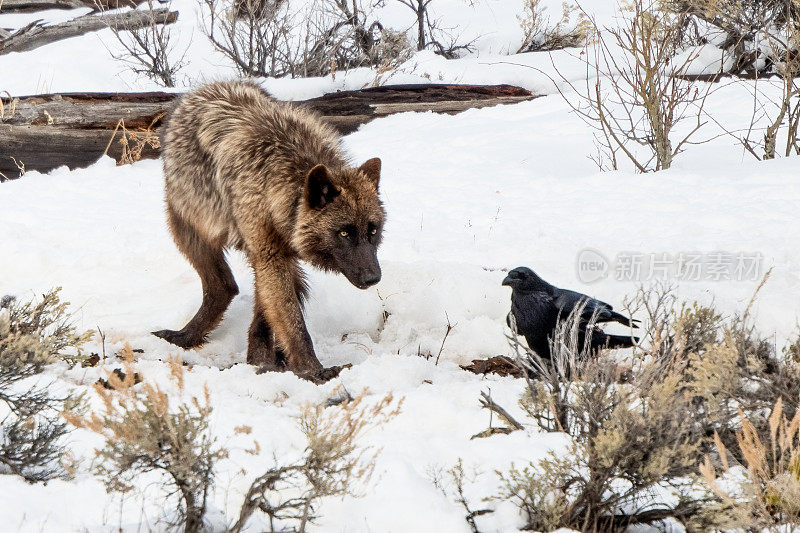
[(215, 116), (202, 140)]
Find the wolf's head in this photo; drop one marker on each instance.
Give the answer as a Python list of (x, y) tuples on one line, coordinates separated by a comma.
[(340, 221)]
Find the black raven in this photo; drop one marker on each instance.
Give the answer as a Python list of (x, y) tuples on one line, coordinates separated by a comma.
[(538, 306)]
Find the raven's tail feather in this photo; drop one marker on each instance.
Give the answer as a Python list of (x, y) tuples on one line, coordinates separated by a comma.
[(622, 319), (620, 341)]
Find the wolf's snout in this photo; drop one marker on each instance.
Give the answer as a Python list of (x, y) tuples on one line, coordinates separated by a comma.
[(362, 267), (369, 278)]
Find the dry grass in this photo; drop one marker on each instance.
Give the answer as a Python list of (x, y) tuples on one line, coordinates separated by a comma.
[(10, 109), (20, 166), (769, 496), (133, 143)]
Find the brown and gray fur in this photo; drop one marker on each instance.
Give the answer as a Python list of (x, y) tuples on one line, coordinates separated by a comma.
[(269, 178)]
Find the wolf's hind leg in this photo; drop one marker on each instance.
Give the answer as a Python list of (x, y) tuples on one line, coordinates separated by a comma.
[(219, 287)]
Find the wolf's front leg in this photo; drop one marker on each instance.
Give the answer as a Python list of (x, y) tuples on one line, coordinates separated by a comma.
[(261, 344), (278, 283)]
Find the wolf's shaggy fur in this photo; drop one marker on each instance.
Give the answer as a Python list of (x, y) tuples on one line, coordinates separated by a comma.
[(269, 178)]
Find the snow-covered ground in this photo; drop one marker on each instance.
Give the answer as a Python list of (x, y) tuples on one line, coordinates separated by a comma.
[(467, 196)]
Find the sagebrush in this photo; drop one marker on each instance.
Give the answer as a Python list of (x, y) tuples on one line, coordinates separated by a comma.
[(641, 424), (334, 461), (33, 335), (148, 429)]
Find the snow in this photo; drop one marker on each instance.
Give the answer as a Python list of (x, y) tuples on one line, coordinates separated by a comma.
[(467, 197)]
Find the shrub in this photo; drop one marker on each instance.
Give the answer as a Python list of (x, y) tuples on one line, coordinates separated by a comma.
[(47, 319), (432, 34), (146, 430), (450, 483), (749, 29), (636, 92), (792, 351), (739, 372), (642, 428), (572, 29), (332, 462), (150, 49), (279, 38), (627, 439), (33, 335), (760, 40)]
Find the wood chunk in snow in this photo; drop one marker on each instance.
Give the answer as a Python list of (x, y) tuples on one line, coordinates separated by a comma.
[(499, 364)]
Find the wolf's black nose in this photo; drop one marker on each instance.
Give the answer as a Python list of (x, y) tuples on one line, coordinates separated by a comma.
[(371, 278)]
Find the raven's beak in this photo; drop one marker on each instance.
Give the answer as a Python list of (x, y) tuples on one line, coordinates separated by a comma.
[(507, 281)]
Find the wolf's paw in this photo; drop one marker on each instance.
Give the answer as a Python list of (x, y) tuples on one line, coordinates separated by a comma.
[(179, 338), (269, 367), (323, 375)]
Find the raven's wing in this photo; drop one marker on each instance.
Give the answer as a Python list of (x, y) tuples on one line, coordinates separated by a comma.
[(567, 300)]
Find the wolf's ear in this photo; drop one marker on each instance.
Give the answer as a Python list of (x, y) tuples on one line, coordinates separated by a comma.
[(372, 169), (320, 191)]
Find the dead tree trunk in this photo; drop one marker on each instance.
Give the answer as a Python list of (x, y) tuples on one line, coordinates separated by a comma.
[(37, 34), (30, 6), (48, 131)]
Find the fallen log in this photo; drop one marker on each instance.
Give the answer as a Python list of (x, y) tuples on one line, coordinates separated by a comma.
[(37, 34), (47, 131), (30, 6)]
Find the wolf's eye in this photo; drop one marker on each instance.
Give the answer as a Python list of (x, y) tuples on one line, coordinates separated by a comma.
[(344, 233), (373, 231)]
